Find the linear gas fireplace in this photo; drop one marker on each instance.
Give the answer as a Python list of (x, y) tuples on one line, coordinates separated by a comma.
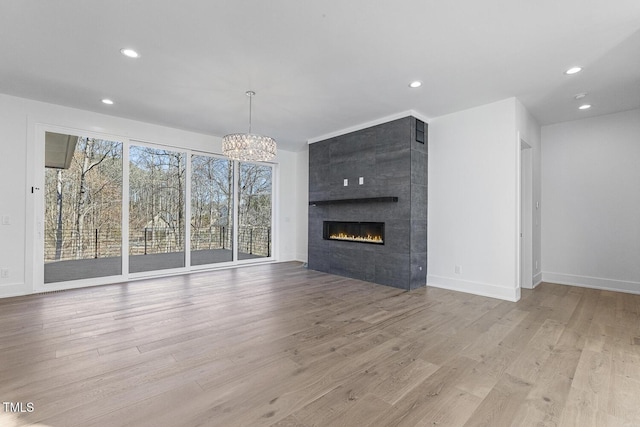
[(361, 232)]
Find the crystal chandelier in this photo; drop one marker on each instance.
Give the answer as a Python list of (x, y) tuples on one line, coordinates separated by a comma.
[(247, 146)]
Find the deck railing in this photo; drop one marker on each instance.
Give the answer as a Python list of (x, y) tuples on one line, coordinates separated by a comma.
[(153, 240)]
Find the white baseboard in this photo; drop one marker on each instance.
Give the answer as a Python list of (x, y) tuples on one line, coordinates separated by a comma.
[(476, 288), (592, 282), (537, 279), (12, 290)]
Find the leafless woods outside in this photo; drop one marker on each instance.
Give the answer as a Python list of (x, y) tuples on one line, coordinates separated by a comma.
[(83, 204)]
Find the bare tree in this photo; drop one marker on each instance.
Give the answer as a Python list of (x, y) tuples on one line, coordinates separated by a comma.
[(84, 203), (74, 198), (157, 191), (59, 224)]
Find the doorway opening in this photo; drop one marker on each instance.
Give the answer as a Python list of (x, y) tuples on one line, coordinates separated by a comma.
[(526, 216)]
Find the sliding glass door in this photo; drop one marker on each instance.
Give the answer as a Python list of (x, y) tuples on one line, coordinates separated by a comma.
[(82, 207), (156, 209), (111, 208), (254, 211), (211, 210)]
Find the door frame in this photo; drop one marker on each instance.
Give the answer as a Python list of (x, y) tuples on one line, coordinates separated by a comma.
[(34, 220), (525, 215), (35, 211)]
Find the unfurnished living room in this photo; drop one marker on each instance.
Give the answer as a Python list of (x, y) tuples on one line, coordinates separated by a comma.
[(330, 213)]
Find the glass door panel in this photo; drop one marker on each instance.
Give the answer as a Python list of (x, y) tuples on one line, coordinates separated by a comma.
[(211, 210), (254, 211), (83, 208), (156, 209)]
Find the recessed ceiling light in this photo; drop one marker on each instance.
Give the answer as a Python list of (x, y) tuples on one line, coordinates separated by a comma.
[(580, 95), (107, 101), (129, 53), (573, 70), (415, 84), (585, 106)]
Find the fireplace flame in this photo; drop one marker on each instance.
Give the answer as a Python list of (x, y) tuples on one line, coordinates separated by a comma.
[(368, 238)]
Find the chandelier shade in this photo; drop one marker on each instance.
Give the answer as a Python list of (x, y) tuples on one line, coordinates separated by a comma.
[(249, 146)]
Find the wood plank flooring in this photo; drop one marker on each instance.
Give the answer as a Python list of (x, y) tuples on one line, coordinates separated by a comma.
[(280, 345)]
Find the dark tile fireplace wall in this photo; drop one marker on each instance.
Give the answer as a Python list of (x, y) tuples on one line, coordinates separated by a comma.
[(393, 164)]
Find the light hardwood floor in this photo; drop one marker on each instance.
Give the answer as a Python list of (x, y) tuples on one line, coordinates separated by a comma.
[(281, 345)]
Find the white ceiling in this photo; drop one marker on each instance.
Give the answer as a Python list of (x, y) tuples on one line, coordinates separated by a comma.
[(319, 66)]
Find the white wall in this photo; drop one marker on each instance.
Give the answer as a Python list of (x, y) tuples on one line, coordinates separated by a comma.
[(591, 200), (302, 198), (289, 219), (18, 119), (530, 131), (13, 125), (473, 157)]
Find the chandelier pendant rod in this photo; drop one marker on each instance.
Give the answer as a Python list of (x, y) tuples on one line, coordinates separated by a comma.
[(250, 94)]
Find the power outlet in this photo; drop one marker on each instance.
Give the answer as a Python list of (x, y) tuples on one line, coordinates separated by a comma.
[(6, 220), (458, 269), (4, 273)]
